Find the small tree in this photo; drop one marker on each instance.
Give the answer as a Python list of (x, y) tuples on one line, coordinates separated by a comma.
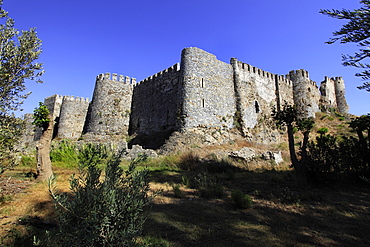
[(288, 117), (104, 210), (43, 120), (355, 31)]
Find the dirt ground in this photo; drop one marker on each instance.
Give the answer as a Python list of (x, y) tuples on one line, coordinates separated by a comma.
[(281, 214)]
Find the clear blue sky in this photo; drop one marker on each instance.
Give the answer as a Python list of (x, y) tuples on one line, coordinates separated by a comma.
[(82, 39)]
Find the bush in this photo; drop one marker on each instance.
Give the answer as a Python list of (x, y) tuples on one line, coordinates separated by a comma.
[(176, 190), (241, 200), (208, 187), (102, 210), (66, 153), (189, 162)]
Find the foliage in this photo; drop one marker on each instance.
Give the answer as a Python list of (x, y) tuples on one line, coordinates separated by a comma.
[(209, 187), (356, 30), (323, 130), (345, 157), (96, 154), (40, 116), (241, 200), (102, 210), (10, 131), (323, 156), (176, 190), (18, 52), (65, 152), (288, 116), (189, 161)]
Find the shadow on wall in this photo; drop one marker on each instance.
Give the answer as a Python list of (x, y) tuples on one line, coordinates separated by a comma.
[(151, 141)]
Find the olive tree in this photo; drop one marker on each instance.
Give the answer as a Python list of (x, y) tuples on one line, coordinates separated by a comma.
[(19, 51), (43, 120)]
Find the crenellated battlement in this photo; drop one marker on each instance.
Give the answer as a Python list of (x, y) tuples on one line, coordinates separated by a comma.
[(54, 97), (284, 79), (116, 77), (201, 92), (298, 73), (254, 70), (75, 99), (172, 69), (338, 79)]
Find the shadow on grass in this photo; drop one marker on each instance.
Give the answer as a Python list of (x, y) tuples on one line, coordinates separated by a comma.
[(282, 215)]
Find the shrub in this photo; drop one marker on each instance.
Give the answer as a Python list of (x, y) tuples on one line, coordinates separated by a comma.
[(176, 190), (208, 187), (102, 211), (241, 200), (66, 153), (189, 162)]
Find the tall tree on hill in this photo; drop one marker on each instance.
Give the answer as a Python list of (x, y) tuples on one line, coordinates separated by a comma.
[(18, 52), (357, 30)]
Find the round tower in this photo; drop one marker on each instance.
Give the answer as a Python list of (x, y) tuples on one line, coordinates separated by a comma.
[(306, 95), (340, 95), (72, 117), (109, 110)]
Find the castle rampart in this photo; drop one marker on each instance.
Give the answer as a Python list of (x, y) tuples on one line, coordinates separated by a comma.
[(340, 95), (72, 117), (54, 103), (201, 93), (305, 93), (156, 104), (256, 90), (209, 96), (110, 107)]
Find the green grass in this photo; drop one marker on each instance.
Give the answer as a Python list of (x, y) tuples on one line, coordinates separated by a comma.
[(282, 214)]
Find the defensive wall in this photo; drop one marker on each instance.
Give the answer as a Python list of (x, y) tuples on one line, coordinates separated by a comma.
[(109, 111), (209, 95), (156, 104), (72, 117), (201, 92)]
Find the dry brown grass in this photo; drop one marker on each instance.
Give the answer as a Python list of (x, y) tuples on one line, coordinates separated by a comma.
[(31, 202), (282, 214)]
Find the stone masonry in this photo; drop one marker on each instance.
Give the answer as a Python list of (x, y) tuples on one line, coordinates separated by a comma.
[(201, 92)]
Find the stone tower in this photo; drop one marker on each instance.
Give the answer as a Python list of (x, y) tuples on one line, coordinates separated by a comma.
[(306, 95), (209, 96), (72, 117), (340, 95), (109, 111)]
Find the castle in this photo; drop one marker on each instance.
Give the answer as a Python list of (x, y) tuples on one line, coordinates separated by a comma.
[(200, 92)]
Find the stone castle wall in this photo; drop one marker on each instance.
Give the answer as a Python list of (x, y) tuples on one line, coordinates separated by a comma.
[(202, 92), (109, 111), (209, 95), (72, 117), (258, 93), (54, 103), (340, 95), (156, 104), (306, 94)]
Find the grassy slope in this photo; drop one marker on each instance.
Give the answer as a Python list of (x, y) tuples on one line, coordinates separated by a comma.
[(281, 215)]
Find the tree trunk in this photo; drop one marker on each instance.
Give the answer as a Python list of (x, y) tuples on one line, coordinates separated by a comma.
[(44, 170), (298, 165)]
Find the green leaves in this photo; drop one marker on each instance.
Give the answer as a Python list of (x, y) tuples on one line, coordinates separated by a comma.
[(40, 116), (18, 52), (357, 30), (103, 210)]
